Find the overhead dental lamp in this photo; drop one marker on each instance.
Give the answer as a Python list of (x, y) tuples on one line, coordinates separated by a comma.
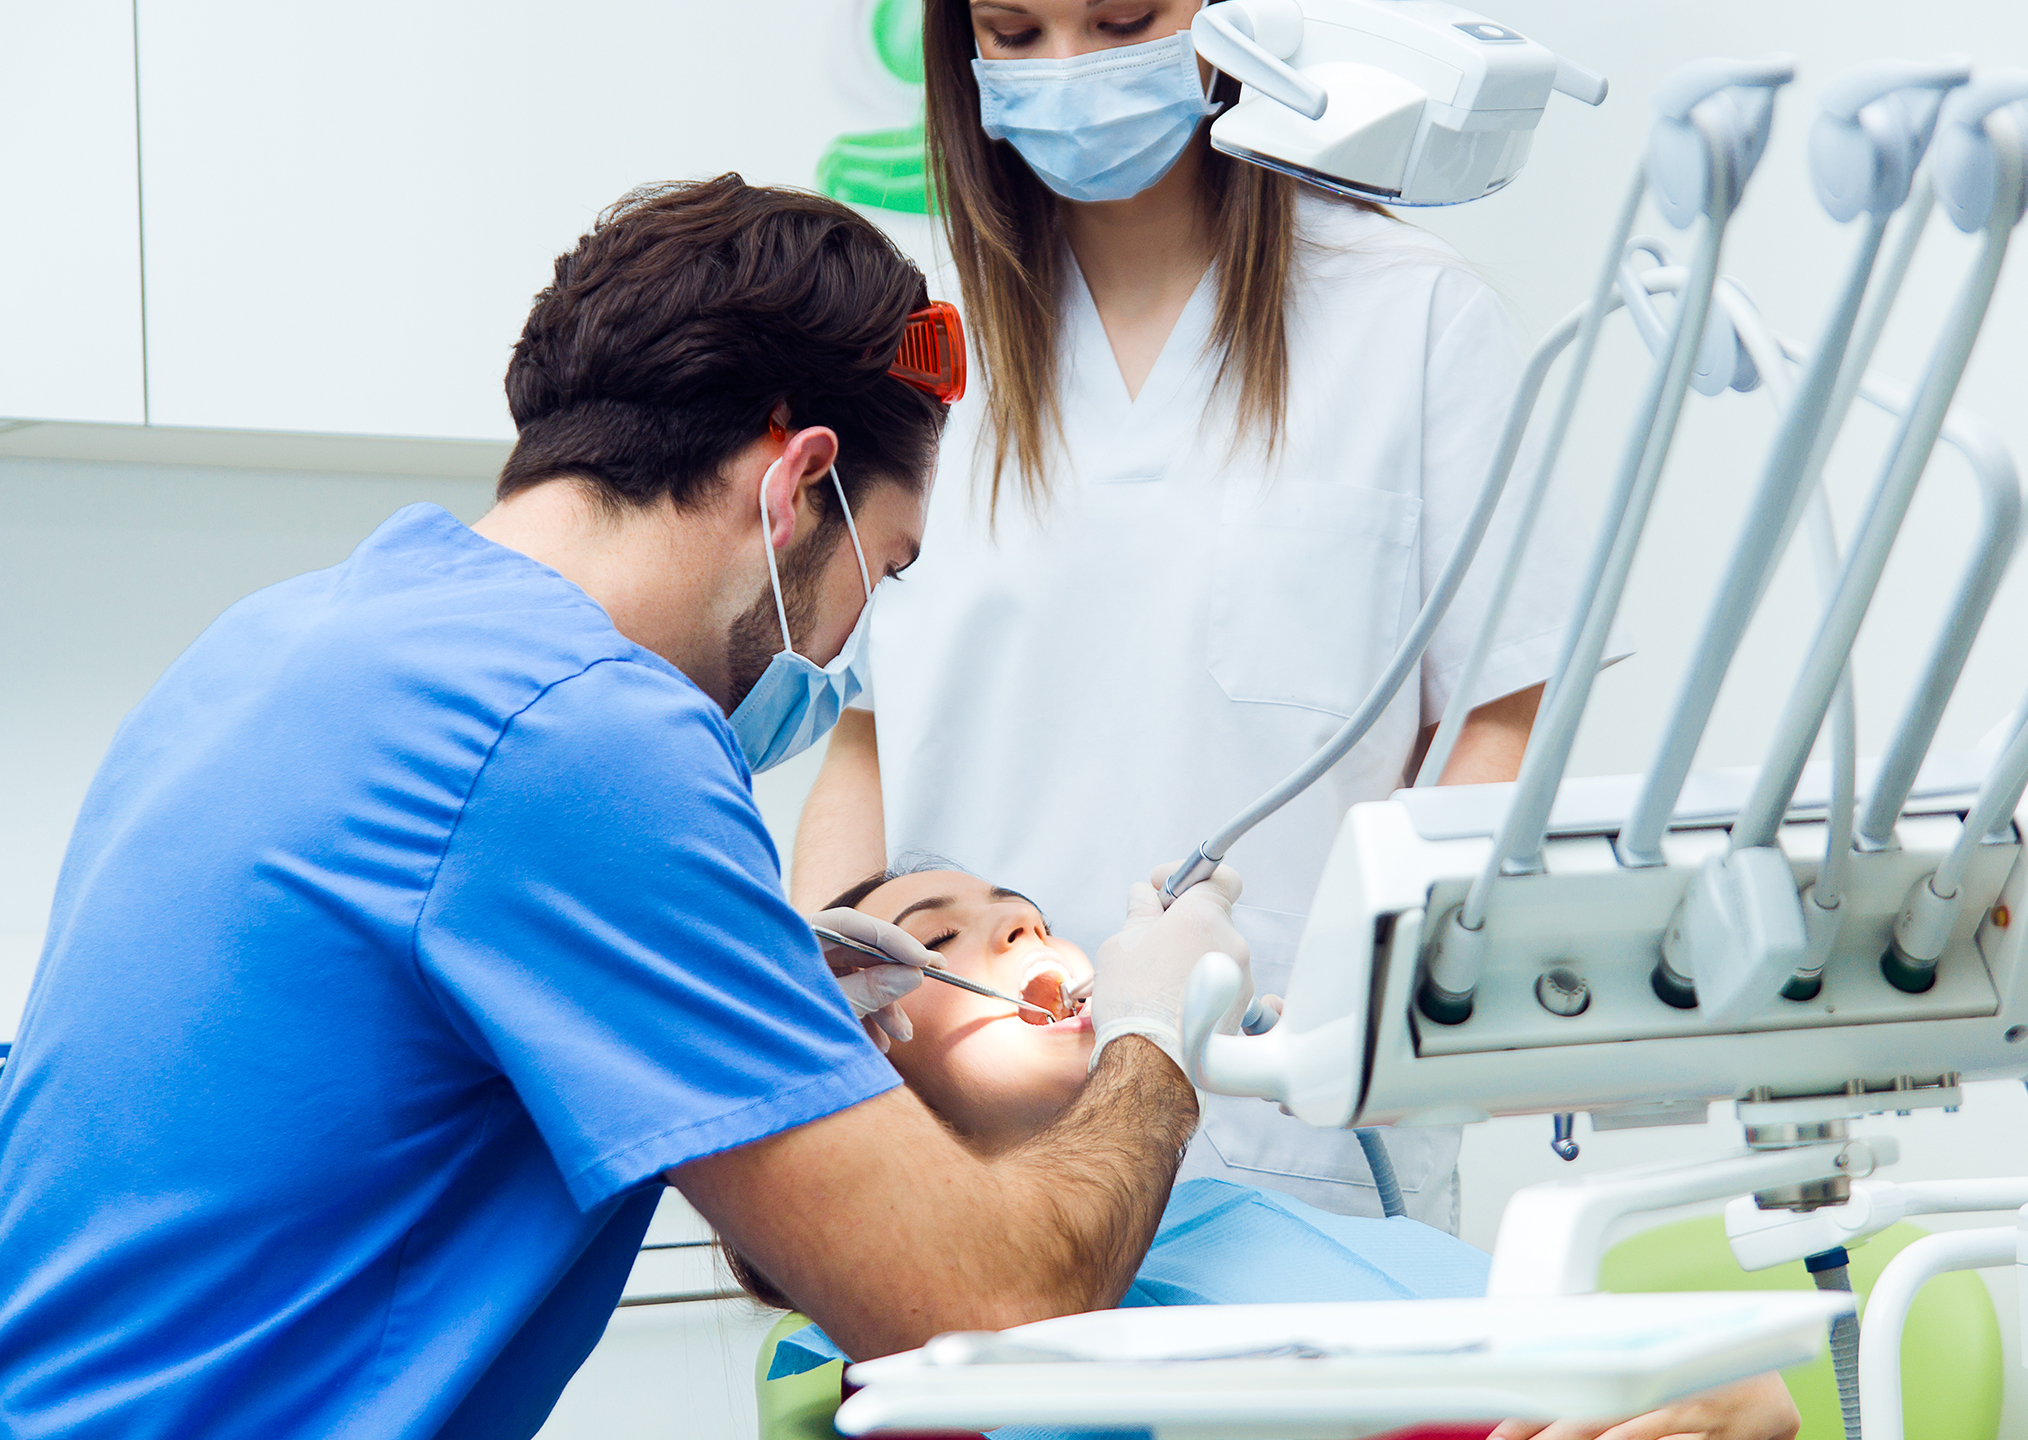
[(1411, 102)]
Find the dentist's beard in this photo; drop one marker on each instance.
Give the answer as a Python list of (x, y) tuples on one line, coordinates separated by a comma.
[(756, 636)]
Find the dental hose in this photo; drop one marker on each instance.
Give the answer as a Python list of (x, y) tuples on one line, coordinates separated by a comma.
[(1389, 1188), (1829, 1271), (1408, 654)]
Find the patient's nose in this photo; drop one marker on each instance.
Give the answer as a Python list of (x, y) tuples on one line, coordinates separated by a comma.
[(1012, 929)]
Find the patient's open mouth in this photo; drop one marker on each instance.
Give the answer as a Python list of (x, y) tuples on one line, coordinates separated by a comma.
[(1045, 984)]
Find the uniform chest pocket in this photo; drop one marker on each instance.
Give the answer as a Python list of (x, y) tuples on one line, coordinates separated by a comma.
[(1308, 592)]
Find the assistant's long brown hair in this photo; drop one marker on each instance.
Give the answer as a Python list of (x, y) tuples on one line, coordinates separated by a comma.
[(1004, 228)]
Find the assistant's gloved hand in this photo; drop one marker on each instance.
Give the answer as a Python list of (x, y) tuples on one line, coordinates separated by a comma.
[(871, 986), (1140, 973)]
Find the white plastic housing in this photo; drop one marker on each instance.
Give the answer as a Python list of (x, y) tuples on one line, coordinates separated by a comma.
[(1429, 103), (1282, 1372), (1739, 933), (1353, 1049)]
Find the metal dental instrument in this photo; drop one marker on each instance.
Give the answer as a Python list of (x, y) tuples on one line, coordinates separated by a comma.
[(832, 937), (977, 989)]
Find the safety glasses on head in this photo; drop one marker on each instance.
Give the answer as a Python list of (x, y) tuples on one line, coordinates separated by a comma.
[(932, 355)]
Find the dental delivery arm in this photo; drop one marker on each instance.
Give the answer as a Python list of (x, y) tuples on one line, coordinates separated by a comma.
[(885, 1230)]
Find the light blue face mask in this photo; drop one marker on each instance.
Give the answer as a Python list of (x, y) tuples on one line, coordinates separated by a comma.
[(1103, 126), (796, 701)]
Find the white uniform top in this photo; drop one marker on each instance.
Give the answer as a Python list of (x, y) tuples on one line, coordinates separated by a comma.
[(1066, 702)]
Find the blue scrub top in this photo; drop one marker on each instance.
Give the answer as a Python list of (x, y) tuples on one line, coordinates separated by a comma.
[(415, 923)]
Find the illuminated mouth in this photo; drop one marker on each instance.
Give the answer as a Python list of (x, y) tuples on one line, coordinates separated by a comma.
[(1045, 983)]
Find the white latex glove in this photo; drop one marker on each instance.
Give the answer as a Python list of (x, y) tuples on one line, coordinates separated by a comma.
[(871, 987), (1140, 973)]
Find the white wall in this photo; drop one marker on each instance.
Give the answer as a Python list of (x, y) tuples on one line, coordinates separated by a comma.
[(70, 234), (106, 573)]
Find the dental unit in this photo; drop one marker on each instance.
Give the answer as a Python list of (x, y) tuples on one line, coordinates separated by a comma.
[(1813, 943)]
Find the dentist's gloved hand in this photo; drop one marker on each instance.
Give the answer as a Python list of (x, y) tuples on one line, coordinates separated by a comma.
[(870, 986), (1139, 974)]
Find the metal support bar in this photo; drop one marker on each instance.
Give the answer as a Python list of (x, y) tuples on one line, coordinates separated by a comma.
[(1887, 1313), (1552, 1236)]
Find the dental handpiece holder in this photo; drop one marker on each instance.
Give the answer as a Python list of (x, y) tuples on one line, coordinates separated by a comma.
[(1411, 102), (1566, 1015)]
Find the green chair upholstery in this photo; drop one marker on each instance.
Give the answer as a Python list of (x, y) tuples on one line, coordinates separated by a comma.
[(795, 1407), (1951, 1365)]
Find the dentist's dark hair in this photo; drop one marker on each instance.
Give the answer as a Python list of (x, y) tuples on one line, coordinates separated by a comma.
[(690, 311)]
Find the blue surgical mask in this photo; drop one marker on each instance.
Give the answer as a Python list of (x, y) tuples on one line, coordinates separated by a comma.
[(796, 701), (1103, 126)]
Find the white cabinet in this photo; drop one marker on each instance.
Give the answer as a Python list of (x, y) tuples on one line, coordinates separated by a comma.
[(350, 206), (70, 238)]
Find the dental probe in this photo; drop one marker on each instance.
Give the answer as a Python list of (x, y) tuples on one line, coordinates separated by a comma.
[(832, 937)]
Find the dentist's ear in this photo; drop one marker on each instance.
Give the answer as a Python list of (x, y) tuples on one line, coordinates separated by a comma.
[(805, 461)]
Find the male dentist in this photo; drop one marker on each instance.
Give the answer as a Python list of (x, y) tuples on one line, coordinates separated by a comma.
[(420, 924)]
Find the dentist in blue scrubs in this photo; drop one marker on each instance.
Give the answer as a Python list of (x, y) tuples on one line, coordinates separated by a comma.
[(419, 925)]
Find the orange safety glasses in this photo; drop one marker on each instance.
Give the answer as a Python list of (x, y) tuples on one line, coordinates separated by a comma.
[(932, 355)]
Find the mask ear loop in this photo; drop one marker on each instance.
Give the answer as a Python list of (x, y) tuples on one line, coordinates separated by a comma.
[(865, 577), (768, 549), (1205, 83)]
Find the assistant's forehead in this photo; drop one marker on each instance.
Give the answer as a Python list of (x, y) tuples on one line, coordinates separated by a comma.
[(890, 899)]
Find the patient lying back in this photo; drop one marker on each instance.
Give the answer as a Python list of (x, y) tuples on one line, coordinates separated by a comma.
[(998, 1079)]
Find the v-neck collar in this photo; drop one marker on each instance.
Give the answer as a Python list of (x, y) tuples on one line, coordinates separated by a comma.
[(1098, 366)]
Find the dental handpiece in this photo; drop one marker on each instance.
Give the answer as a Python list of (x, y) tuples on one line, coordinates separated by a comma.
[(1259, 1017), (929, 972)]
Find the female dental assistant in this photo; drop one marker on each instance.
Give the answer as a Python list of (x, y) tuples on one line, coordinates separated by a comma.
[(1230, 429)]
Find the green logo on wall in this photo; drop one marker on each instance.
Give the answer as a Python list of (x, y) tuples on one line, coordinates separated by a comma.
[(884, 169)]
